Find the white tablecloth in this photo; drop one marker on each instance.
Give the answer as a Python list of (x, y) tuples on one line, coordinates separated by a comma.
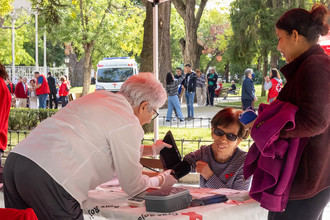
[(112, 204)]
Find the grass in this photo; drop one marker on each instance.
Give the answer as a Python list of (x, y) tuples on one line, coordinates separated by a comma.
[(79, 89)]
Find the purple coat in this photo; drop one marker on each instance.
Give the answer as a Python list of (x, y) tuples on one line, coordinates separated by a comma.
[(267, 160)]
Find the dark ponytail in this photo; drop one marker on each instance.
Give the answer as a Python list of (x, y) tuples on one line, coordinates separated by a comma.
[(3, 72), (309, 24)]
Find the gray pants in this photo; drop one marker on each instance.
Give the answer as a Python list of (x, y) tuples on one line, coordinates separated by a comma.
[(26, 185)]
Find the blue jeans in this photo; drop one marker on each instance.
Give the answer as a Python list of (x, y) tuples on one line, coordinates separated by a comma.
[(42, 100), (64, 100), (190, 103), (173, 102)]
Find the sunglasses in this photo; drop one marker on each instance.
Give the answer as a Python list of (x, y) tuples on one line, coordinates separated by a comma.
[(230, 136)]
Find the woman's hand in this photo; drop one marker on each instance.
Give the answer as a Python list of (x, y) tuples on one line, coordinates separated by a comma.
[(204, 169)]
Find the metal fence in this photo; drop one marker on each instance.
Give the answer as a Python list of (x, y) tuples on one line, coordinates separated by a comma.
[(184, 145), (191, 123)]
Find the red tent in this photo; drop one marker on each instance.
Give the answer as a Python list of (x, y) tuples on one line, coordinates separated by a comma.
[(325, 43)]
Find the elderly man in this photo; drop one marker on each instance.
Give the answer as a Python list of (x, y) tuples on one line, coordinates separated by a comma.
[(21, 93), (212, 79), (248, 91), (90, 141)]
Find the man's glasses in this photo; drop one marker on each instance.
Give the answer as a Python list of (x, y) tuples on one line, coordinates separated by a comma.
[(230, 136), (155, 114)]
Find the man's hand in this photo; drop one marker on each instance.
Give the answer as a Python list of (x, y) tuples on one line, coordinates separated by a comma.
[(167, 179), (158, 146), (204, 169)]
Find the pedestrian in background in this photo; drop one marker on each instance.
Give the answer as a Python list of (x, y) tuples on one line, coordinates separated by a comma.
[(179, 73), (273, 83), (52, 90), (172, 96), (248, 90), (190, 87), (33, 99), (212, 79), (200, 88), (63, 92), (21, 93), (42, 89)]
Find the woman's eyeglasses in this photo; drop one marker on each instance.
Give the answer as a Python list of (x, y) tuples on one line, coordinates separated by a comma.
[(155, 114), (230, 136)]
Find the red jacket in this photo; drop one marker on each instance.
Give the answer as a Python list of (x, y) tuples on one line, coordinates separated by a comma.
[(64, 90), (44, 88), (19, 91), (5, 101), (275, 89)]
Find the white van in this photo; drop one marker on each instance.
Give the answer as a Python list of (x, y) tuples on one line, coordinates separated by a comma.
[(113, 71)]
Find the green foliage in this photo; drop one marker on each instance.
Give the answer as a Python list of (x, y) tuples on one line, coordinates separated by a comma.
[(27, 119), (5, 7), (22, 36)]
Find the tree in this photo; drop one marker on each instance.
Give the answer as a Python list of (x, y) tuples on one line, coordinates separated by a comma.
[(86, 26), (164, 52), (191, 49)]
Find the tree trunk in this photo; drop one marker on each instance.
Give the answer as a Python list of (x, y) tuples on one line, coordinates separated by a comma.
[(164, 58), (274, 59), (190, 52), (265, 70), (146, 53), (76, 68), (226, 73), (88, 48)]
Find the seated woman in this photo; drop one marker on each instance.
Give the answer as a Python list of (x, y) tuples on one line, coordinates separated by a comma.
[(221, 163)]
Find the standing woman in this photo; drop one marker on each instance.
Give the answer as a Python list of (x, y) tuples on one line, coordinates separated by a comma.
[(273, 84), (33, 99), (308, 79), (172, 96), (64, 91), (5, 101)]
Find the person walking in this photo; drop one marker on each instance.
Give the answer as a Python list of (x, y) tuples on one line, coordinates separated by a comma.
[(5, 101), (172, 96), (52, 90), (248, 90), (11, 88), (178, 74), (200, 88), (42, 89), (212, 79), (190, 88), (273, 84)]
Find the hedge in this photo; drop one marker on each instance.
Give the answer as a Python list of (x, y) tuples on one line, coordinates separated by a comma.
[(27, 119)]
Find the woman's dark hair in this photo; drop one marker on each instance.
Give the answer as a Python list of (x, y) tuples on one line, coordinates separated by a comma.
[(309, 24), (275, 73), (3, 72), (226, 117), (169, 78)]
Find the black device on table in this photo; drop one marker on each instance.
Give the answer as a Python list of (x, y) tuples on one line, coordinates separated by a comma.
[(171, 158)]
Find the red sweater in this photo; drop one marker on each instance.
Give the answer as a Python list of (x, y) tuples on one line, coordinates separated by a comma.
[(5, 101), (64, 91), (19, 91)]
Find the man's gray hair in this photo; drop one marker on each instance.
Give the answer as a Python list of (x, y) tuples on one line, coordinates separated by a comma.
[(248, 71), (144, 87)]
